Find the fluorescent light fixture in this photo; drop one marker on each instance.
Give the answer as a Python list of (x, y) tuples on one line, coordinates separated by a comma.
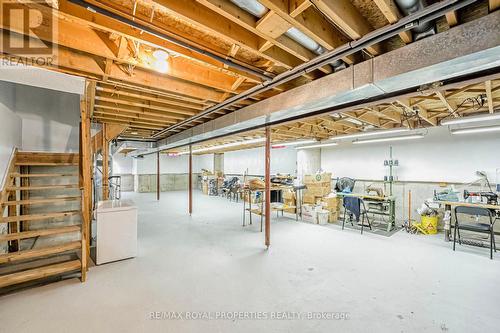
[(293, 143), (463, 120), (318, 146), (476, 130), (393, 138), (371, 133), (226, 145)]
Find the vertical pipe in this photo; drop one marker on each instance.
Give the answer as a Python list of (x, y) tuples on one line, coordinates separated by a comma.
[(158, 175), (190, 180), (268, 186)]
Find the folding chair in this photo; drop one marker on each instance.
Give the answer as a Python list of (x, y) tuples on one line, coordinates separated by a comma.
[(478, 227), (353, 205)]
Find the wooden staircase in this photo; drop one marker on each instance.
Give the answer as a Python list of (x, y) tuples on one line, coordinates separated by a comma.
[(41, 204)]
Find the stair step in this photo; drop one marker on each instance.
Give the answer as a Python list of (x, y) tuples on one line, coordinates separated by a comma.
[(38, 233), (42, 201), (41, 187), (38, 217), (42, 175), (39, 273), (35, 253), (46, 163)]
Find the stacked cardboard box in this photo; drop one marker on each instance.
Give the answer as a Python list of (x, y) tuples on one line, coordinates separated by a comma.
[(332, 204), (318, 186)]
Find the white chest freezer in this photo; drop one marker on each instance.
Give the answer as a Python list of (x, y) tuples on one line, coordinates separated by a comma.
[(116, 231)]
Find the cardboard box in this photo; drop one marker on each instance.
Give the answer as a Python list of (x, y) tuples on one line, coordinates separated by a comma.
[(309, 199), (318, 191), (288, 195), (204, 188), (333, 217), (331, 203), (325, 177)]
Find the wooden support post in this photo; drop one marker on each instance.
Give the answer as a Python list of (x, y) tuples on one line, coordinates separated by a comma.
[(158, 175), (268, 187), (190, 180), (86, 185), (105, 164), (13, 226)]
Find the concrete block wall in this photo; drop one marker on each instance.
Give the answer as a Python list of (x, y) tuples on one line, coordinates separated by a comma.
[(168, 182)]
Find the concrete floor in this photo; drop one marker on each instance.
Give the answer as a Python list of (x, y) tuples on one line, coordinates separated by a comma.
[(209, 263)]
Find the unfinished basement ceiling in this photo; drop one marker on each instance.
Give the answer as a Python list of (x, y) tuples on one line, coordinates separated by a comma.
[(128, 87), (419, 111)]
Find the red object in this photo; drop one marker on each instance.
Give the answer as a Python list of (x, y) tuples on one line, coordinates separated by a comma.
[(268, 187)]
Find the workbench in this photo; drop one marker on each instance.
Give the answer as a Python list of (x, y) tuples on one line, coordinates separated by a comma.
[(448, 207), (247, 196), (388, 204)]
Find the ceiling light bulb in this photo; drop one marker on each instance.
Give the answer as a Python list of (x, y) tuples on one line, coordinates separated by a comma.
[(160, 54), (161, 66), (471, 119)]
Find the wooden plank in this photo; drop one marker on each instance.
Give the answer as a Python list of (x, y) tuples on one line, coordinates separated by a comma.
[(489, 97), (298, 6), (105, 163), (42, 201), (38, 217), (494, 5), (39, 273), (35, 253), (42, 187), (40, 233), (392, 14), (452, 18), (348, 19), (46, 164), (42, 175), (86, 179)]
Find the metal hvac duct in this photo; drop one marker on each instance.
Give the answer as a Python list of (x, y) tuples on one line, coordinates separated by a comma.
[(412, 6)]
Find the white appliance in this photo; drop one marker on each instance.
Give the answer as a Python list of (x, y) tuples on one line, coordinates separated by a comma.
[(116, 231)]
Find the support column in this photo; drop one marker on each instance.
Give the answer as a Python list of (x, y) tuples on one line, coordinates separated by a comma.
[(158, 175), (190, 180), (268, 187), (85, 184), (105, 163)]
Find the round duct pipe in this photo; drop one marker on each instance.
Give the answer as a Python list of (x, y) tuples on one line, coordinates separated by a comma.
[(409, 7)]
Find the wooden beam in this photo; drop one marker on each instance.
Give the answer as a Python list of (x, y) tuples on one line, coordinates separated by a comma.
[(86, 181), (220, 26), (348, 19), (81, 37), (494, 5), (311, 23), (81, 15), (298, 6), (392, 14), (105, 163), (446, 103), (452, 18), (489, 95)]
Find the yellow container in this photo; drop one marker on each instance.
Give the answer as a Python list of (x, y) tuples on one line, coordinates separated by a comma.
[(429, 224)]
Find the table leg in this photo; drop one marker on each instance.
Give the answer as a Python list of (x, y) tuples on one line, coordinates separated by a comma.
[(392, 216), (447, 223), (244, 207)]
